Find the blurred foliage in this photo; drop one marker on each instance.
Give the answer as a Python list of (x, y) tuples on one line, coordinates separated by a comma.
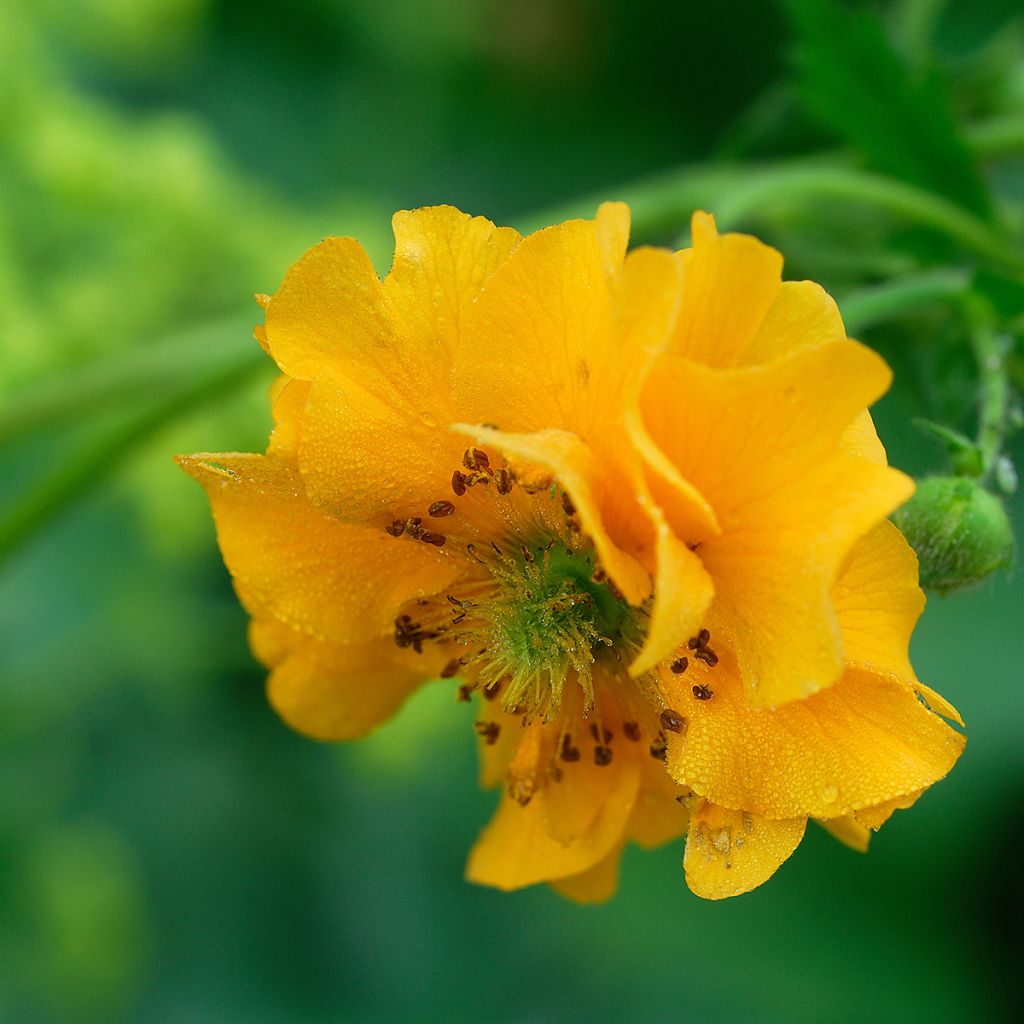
[(168, 851)]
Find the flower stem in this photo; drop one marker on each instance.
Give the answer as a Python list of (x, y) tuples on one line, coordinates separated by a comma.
[(869, 306), (990, 351), (28, 512)]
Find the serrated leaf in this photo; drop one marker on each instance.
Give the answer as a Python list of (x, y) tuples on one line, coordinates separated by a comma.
[(853, 82)]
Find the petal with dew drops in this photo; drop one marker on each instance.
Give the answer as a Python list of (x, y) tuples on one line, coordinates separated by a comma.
[(860, 438), (290, 560), (682, 596), (288, 403), (368, 459), (731, 852), (516, 850), (729, 283), (878, 602), (865, 740), (443, 257), (802, 314), (764, 446), (579, 473), (538, 349), (595, 885), (331, 309), (658, 817), (848, 830), (875, 817), (332, 691)]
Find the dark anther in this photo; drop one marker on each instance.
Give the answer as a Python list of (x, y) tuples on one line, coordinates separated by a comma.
[(451, 669), (488, 731), (659, 748), (437, 539), (478, 478), (555, 774), (456, 619), (703, 637), (396, 529), (568, 751), (673, 721), (679, 665), (458, 483), (503, 481), (702, 693), (410, 634), (440, 509), (632, 730), (464, 694), (414, 526), (602, 756), (474, 458), (597, 734), (492, 692), (567, 506), (706, 655)]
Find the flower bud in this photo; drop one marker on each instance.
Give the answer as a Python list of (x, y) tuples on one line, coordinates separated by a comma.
[(960, 532)]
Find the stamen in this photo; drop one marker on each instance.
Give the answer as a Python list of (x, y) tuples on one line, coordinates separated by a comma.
[(701, 692), (673, 721), (680, 665), (440, 509)]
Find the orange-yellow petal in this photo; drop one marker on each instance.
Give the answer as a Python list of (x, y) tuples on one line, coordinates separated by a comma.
[(878, 602), (516, 849), (875, 817), (682, 596), (731, 852), (802, 314), (537, 350), (763, 446), (443, 257), (595, 885), (579, 472), (848, 830), (865, 740), (729, 284), (332, 691), (292, 561)]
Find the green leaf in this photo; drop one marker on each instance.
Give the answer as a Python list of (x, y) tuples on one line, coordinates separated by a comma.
[(851, 80)]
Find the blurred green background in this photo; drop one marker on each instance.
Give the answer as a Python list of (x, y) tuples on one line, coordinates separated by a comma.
[(169, 852)]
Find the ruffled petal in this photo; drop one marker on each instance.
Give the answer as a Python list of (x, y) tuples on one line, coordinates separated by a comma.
[(538, 349), (848, 830), (579, 472), (332, 691), (290, 560), (802, 314), (878, 602), (865, 740), (763, 446), (516, 849), (443, 257), (731, 852), (729, 283), (875, 817), (596, 885)]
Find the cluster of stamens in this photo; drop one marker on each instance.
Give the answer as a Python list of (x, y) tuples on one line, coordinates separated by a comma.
[(534, 616)]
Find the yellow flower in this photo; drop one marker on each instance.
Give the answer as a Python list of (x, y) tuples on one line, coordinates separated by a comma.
[(632, 504)]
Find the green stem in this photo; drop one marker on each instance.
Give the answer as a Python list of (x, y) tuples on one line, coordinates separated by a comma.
[(867, 307), (28, 513), (153, 369), (990, 351), (788, 184), (998, 137)]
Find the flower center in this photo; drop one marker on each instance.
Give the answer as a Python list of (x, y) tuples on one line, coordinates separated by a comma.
[(546, 621)]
